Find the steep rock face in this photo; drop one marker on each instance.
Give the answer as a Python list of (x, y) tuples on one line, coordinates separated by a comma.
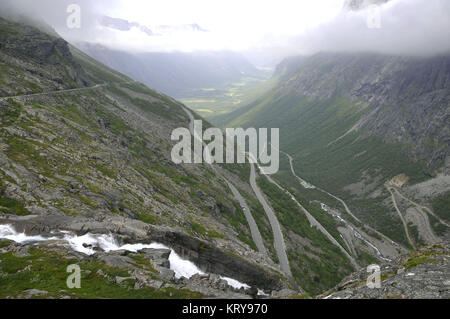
[(409, 96), (48, 60)]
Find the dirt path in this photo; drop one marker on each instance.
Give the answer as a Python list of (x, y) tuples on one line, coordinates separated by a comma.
[(53, 92)]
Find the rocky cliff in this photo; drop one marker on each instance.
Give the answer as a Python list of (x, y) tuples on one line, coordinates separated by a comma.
[(46, 60)]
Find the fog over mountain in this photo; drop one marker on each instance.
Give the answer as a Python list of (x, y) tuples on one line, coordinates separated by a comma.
[(407, 27)]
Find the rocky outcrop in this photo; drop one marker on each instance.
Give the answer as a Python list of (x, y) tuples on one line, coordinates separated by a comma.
[(214, 260), (206, 256), (148, 268), (48, 60), (423, 274)]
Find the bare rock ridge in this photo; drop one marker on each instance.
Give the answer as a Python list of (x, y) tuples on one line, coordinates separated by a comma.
[(52, 65), (206, 256)]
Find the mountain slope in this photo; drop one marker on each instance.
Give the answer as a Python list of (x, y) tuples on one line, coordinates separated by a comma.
[(176, 73), (353, 122), (82, 144)]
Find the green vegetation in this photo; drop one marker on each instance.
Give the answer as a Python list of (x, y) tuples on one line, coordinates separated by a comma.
[(216, 103), (205, 232), (326, 152), (441, 206), (34, 87), (419, 258), (367, 258), (116, 124), (12, 206), (142, 262), (154, 103), (46, 271), (4, 243), (149, 219), (380, 217), (236, 218), (439, 228), (414, 232), (10, 114)]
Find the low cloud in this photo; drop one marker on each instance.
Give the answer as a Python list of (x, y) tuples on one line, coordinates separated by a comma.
[(406, 27)]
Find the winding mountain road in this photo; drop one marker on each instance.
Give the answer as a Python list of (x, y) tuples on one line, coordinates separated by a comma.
[(256, 235), (405, 225), (314, 223), (291, 160), (420, 207), (347, 209), (254, 230), (280, 245), (54, 92)]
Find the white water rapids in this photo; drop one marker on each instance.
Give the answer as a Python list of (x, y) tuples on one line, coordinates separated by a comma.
[(84, 244)]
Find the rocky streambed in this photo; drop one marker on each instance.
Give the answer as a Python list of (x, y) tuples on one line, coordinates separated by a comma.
[(152, 257)]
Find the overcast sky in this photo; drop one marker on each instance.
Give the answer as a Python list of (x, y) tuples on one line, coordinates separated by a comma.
[(287, 26), (232, 24)]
